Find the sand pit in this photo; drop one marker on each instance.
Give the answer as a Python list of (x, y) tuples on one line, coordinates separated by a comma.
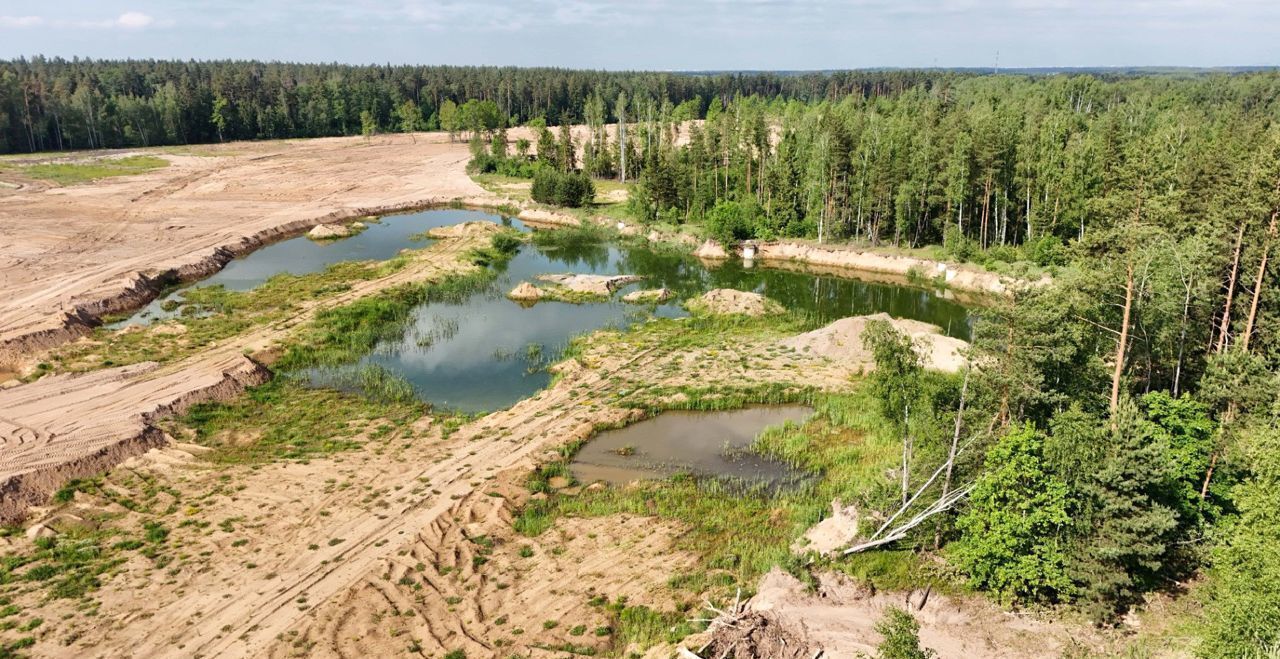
[(842, 341), (406, 540), (71, 254), (69, 426)]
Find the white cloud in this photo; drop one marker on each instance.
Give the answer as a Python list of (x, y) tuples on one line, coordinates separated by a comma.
[(21, 21), (134, 20)]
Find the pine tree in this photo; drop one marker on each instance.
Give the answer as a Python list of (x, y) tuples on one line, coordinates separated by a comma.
[(1125, 543)]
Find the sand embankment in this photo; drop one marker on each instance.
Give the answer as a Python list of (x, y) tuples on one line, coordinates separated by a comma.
[(68, 426), (73, 254)]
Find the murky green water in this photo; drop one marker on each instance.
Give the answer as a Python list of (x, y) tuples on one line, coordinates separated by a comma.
[(702, 444)]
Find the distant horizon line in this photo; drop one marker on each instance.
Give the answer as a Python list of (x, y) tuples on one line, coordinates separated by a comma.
[(989, 70)]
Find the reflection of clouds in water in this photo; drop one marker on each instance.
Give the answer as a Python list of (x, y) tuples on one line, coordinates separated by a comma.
[(495, 324), (471, 355)]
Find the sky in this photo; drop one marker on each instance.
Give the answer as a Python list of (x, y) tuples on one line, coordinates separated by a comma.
[(657, 34)]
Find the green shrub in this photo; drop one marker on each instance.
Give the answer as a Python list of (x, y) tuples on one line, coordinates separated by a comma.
[(901, 635), (731, 221), (573, 189)]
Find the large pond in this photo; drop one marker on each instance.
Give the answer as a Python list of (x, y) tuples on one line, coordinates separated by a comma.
[(701, 444), (488, 352)]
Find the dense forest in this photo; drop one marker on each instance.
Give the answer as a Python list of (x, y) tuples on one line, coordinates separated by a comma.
[(1119, 428), (56, 104)]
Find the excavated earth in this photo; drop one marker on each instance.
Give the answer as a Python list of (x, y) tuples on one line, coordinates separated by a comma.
[(404, 544), (73, 254), (408, 541), (70, 426)]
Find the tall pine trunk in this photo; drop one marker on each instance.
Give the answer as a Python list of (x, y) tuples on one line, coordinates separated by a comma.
[(1262, 273), (1225, 328)]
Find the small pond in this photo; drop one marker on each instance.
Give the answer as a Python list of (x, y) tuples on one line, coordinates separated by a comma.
[(382, 240), (702, 444)]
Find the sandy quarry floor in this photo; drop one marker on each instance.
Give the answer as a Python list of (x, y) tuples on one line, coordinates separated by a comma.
[(71, 426), (368, 552), (85, 245)]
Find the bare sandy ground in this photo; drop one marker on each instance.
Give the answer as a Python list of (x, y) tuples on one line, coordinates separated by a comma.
[(69, 426), (837, 619), (842, 341), (70, 254), (367, 553)]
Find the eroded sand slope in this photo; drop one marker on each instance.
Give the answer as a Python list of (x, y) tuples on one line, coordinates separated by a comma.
[(72, 253)]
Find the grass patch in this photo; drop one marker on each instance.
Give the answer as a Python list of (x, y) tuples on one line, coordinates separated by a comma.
[(287, 420), (82, 172), (739, 535), (74, 563), (213, 313)]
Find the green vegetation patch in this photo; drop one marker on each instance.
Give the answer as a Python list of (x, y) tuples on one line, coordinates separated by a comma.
[(82, 172), (738, 534), (213, 313), (287, 420)]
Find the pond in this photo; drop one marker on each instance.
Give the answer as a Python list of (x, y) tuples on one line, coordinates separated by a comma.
[(487, 352), (702, 444), (301, 255)]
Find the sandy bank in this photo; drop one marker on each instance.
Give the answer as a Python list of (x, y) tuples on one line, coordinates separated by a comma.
[(73, 254)]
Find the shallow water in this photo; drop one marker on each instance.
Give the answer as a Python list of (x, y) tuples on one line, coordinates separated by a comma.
[(488, 352), (704, 444), (301, 255)]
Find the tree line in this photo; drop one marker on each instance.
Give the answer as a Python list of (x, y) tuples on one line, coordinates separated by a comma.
[(49, 104)]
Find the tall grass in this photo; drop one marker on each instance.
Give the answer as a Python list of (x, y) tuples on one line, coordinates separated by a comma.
[(345, 334)]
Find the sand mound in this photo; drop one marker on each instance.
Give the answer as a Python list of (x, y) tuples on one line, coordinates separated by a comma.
[(711, 250), (842, 341), (525, 292), (464, 229), (730, 301), (838, 618), (832, 533), (603, 285), (328, 232), (650, 296)]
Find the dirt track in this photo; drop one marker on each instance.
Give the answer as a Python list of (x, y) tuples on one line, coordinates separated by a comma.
[(70, 426), (414, 512)]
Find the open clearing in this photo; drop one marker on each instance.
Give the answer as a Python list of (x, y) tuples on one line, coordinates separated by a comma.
[(85, 250), (403, 540)]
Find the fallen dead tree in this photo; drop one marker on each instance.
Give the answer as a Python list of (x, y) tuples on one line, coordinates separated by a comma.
[(888, 533)]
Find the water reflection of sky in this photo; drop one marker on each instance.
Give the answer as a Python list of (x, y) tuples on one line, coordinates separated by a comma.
[(474, 355)]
